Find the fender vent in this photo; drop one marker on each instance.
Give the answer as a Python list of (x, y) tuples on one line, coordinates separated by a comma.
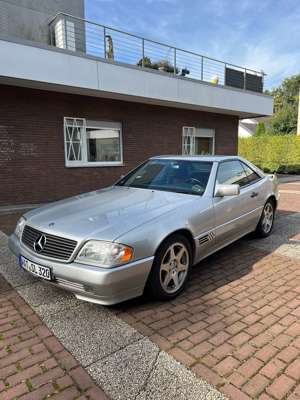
[(206, 238)]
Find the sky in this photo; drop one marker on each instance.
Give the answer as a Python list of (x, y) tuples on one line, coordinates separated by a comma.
[(260, 35)]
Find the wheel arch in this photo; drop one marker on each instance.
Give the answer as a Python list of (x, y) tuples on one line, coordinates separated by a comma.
[(274, 200), (181, 231), (184, 232)]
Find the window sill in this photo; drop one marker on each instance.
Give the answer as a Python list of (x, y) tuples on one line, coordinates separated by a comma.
[(96, 164)]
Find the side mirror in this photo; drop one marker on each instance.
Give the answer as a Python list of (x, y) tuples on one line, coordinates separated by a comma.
[(227, 190)]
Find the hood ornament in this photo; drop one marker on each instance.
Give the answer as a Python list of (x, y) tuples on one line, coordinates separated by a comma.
[(40, 243)]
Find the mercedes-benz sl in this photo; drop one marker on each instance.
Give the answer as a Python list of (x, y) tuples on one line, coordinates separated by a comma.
[(148, 229)]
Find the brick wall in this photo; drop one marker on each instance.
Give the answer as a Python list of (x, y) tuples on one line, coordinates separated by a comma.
[(32, 161)]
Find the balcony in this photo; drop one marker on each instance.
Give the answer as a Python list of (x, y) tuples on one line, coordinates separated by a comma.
[(115, 46), (90, 59)]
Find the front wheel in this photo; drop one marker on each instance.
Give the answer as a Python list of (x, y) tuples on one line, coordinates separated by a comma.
[(266, 222), (171, 268)]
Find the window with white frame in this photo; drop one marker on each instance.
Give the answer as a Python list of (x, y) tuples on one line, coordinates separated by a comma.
[(92, 143), (198, 141)]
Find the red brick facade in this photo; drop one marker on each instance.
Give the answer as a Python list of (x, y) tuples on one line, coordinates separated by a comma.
[(32, 160)]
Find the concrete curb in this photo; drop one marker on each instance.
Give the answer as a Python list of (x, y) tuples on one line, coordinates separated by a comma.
[(288, 178), (123, 362)]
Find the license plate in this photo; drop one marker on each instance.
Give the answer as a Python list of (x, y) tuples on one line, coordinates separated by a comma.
[(35, 269)]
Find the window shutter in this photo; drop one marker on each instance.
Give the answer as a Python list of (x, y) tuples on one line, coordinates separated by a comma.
[(75, 129), (188, 140)]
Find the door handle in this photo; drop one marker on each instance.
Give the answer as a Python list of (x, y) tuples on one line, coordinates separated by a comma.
[(254, 194)]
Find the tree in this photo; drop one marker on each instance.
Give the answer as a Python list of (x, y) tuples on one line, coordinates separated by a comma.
[(286, 98), (261, 129), (284, 122)]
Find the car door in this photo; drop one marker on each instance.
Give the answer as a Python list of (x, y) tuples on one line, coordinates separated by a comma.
[(256, 194), (233, 214), (201, 213)]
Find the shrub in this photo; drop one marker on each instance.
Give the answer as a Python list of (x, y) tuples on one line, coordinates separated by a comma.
[(272, 153)]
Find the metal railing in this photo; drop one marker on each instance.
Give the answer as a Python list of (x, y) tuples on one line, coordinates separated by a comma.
[(76, 34)]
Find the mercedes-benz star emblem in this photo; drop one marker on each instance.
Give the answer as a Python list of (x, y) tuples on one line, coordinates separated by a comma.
[(40, 243)]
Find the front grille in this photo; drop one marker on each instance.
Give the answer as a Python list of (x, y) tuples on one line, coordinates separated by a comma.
[(55, 246)]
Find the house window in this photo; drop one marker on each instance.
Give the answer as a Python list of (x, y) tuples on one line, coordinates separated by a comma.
[(198, 141), (92, 143)]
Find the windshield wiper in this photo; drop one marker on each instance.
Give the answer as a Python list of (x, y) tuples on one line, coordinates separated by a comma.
[(164, 189)]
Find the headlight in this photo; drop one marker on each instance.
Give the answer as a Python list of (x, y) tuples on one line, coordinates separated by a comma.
[(104, 254), (19, 227)]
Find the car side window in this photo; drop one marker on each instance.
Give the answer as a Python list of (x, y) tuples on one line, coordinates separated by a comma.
[(232, 172), (252, 176)]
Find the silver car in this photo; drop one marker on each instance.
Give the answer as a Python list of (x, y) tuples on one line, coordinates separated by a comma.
[(147, 230)]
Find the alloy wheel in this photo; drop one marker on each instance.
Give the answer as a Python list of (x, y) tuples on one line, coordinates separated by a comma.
[(174, 267), (267, 220)]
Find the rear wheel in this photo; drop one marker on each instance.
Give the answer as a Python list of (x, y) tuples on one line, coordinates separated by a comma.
[(266, 222), (171, 268)]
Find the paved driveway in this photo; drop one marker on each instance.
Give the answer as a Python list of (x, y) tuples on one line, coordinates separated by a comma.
[(33, 363), (237, 325)]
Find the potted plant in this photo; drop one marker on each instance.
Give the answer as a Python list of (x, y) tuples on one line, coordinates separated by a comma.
[(147, 63), (185, 71), (166, 66)]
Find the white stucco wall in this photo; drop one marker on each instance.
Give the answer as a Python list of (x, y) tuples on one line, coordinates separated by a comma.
[(28, 19), (243, 132)]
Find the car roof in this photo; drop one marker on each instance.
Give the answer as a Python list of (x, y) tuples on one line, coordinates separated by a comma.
[(197, 158)]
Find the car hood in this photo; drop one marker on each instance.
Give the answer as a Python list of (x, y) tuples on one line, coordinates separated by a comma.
[(105, 214)]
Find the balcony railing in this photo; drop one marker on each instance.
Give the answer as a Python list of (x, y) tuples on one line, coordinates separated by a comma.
[(76, 34)]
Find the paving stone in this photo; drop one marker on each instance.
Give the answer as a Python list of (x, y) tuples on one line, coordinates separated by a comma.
[(293, 370), (226, 366), (280, 387), (256, 385)]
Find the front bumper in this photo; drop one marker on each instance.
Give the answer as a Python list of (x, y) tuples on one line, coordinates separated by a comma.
[(98, 285)]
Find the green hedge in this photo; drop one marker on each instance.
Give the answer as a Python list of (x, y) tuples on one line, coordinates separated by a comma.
[(272, 153)]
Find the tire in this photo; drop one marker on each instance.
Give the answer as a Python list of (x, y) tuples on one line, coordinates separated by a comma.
[(162, 282), (266, 222)]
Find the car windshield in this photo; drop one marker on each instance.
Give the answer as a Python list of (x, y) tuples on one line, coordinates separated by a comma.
[(182, 176)]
